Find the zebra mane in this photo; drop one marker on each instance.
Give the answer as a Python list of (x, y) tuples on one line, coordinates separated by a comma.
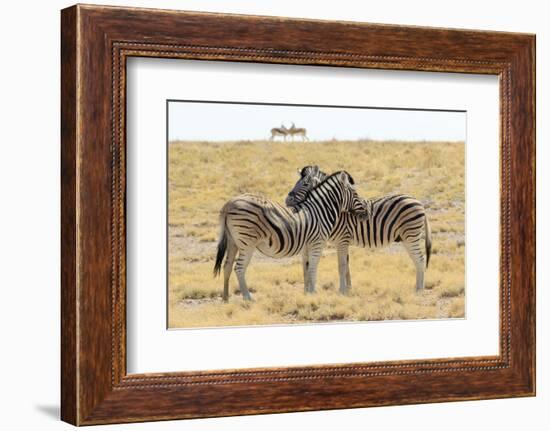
[(322, 175), (327, 177)]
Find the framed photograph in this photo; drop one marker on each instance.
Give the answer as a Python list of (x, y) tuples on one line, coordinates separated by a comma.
[(264, 214), (257, 157)]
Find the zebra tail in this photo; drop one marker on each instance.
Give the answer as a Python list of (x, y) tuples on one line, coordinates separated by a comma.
[(428, 239), (222, 247)]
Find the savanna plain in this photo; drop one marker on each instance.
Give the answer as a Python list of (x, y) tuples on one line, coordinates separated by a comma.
[(204, 175)]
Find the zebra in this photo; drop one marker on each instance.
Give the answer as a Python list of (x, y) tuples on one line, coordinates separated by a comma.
[(387, 219), (298, 131), (279, 131), (251, 222)]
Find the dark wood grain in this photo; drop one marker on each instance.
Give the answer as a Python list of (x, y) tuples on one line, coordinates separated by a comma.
[(69, 367), (96, 41)]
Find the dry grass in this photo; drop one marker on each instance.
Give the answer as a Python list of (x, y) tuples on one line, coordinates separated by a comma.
[(204, 175)]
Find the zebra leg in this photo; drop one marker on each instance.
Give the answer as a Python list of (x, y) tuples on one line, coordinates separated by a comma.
[(305, 268), (228, 266), (343, 268), (348, 275), (240, 269), (420, 269), (314, 256), (414, 249)]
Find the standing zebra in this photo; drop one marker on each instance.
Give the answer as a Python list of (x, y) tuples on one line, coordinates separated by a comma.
[(391, 218), (279, 131), (251, 222)]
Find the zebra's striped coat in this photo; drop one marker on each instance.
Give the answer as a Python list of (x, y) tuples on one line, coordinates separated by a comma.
[(388, 219), (251, 222)]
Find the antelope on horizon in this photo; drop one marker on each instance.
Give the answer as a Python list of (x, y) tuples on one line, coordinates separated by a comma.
[(298, 131), (279, 131)]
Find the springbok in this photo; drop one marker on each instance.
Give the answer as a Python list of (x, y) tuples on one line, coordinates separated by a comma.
[(279, 131), (298, 131)]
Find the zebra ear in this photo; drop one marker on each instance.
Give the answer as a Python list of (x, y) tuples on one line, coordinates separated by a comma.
[(305, 170), (344, 177), (314, 170)]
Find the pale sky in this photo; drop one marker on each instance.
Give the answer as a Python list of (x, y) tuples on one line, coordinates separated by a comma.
[(208, 121)]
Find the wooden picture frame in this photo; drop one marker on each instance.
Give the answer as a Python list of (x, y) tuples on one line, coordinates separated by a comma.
[(95, 43)]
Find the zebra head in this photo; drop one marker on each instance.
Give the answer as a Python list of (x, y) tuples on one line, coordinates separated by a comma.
[(352, 202), (310, 176)]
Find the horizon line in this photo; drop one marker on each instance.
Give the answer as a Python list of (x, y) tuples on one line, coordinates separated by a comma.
[(311, 141)]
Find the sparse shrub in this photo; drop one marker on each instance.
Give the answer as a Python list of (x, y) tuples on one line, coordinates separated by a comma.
[(456, 308), (452, 291)]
